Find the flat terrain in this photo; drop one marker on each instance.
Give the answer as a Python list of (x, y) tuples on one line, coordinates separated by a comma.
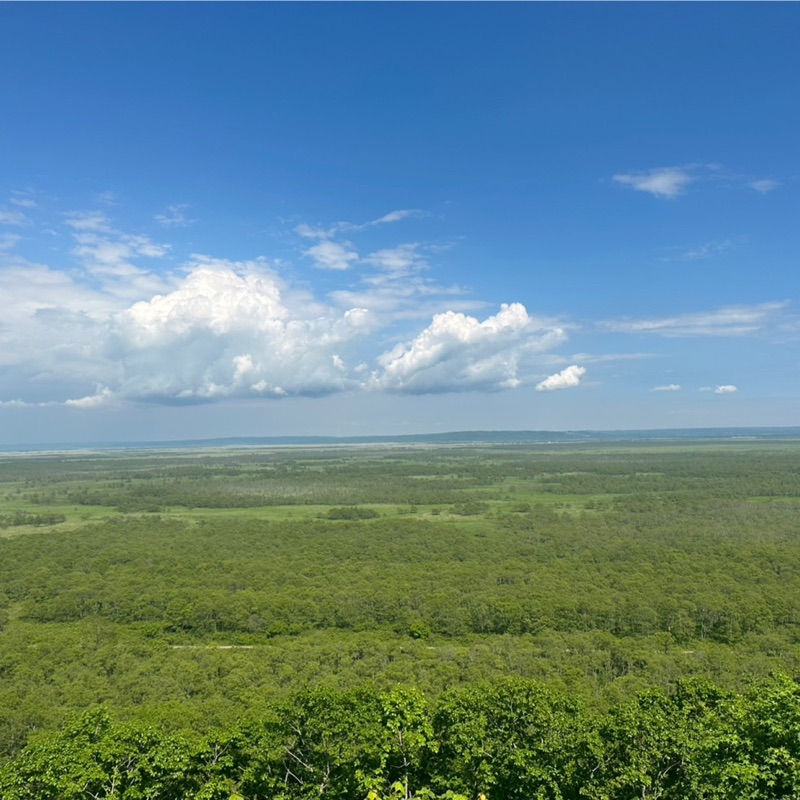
[(192, 588)]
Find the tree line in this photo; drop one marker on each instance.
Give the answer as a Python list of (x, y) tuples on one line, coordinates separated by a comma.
[(514, 740)]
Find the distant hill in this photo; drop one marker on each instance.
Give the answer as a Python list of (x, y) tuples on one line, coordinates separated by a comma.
[(453, 437)]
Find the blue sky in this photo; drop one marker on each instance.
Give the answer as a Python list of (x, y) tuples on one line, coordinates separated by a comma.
[(262, 219)]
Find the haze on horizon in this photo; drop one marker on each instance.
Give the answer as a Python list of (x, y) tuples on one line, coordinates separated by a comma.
[(357, 219)]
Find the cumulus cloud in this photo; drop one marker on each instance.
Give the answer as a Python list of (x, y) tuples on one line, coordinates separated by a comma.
[(566, 379), (727, 388), (226, 331), (457, 352), (670, 387), (332, 255), (666, 182), (51, 331), (101, 397), (128, 326), (727, 321)]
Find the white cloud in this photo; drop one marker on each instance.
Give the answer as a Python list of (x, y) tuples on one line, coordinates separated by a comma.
[(395, 216), (16, 404), (332, 255), (22, 201), (404, 258), (89, 221), (310, 232), (566, 379), (708, 249), (671, 182), (8, 241), (670, 387), (12, 218), (727, 388), (226, 331), (103, 396), (119, 331), (52, 331), (397, 289), (668, 182), (109, 255), (728, 321), (607, 357), (314, 232), (764, 186), (457, 352), (233, 329), (175, 217), (403, 297)]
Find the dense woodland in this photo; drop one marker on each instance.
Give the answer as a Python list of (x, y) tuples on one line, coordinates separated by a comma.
[(596, 620)]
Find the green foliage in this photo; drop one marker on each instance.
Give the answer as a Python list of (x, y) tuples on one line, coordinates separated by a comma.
[(186, 591), (514, 739), (21, 517), (352, 512)]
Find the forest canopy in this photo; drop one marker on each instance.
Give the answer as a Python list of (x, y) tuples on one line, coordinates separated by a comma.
[(629, 606)]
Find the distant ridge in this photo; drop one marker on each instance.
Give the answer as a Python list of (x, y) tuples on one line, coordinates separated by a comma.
[(453, 437)]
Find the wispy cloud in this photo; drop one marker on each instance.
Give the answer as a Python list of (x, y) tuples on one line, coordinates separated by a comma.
[(312, 232), (568, 378), (12, 217), (8, 240), (670, 387), (671, 182), (111, 256), (706, 250), (23, 201), (665, 182), (88, 221), (403, 258), (317, 232), (395, 216), (727, 321), (175, 217), (401, 296), (107, 198), (764, 186)]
